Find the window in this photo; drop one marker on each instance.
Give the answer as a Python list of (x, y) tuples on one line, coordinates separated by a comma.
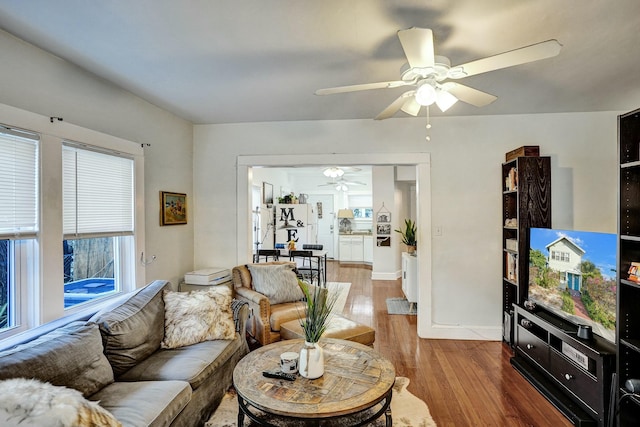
[(5, 294), (363, 213), (18, 220), (68, 222), (560, 256), (98, 222)]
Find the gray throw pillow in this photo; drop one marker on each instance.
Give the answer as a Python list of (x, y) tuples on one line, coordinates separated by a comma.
[(278, 282), (69, 356), (132, 331)]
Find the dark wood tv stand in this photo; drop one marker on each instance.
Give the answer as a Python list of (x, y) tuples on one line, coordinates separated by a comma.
[(572, 373)]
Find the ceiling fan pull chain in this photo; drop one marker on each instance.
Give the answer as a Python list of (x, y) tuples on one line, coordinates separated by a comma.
[(428, 138)]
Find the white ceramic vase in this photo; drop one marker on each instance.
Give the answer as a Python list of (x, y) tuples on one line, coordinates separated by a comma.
[(311, 361)]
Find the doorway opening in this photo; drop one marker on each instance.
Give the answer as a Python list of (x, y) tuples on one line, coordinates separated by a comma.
[(421, 162)]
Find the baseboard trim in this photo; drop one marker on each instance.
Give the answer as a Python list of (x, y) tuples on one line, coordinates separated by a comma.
[(385, 276), (461, 332), (356, 264)]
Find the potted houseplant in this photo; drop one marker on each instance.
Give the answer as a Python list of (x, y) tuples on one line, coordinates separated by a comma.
[(409, 235), (317, 314)]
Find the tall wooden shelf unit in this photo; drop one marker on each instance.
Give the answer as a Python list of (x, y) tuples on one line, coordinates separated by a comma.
[(628, 308), (526, 203)]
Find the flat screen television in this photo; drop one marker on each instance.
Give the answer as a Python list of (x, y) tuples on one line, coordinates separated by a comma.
[(573, 275)]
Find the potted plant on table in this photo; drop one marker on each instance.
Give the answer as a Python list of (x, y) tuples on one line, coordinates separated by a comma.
[(317, 314), (409, 235)]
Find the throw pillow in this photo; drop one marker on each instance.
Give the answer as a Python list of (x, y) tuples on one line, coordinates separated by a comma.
[(196, 316), (133, 329), (278, 282), (31, 403)]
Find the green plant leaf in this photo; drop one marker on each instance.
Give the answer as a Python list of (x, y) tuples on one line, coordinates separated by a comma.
[(409, 233), (318, 310)]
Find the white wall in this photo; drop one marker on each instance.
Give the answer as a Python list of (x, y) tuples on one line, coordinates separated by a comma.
[(386, 265), (35, 81), (466, 153), (465, 181)]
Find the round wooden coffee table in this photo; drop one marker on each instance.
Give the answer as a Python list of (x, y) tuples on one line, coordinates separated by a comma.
[(357, 383)]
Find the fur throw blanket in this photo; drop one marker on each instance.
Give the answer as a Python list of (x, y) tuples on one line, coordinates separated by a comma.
[(32, 403)]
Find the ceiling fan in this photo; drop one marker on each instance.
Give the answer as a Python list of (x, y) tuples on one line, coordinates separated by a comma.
[(341, 184), (338, 171), (429, 74)]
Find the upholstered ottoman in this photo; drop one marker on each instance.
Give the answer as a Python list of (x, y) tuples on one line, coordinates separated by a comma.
[(339, 327)]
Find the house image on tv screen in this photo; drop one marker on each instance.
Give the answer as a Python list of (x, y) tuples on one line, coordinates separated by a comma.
[(565, 257)]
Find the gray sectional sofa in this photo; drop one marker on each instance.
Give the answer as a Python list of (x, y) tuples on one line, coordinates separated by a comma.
[(115, 358)]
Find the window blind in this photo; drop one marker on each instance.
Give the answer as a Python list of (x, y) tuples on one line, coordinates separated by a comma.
[(18, 183), (98, 195)]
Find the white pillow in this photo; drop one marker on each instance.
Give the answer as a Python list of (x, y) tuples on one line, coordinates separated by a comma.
[(32, 403), (278, 282), (196, 316)]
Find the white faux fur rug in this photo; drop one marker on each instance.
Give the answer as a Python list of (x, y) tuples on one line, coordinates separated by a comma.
[(406, 409), (342, 289)]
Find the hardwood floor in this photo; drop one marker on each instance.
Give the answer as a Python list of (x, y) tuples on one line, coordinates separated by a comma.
[(464, 383)]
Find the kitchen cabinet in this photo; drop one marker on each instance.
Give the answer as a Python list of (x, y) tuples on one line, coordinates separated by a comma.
[(410, 277), (351, 248)]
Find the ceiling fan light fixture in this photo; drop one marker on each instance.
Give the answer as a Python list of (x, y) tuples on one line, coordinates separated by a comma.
[(333, 172), (342, 187), (445, 100), (426, 94)]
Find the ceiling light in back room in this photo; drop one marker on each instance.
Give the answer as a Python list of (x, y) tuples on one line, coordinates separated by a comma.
[(333, 172)]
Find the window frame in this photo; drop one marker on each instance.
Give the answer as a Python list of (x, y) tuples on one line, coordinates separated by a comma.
[(43, 297)]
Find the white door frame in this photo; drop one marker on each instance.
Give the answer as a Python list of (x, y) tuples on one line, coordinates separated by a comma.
[(422, 162)]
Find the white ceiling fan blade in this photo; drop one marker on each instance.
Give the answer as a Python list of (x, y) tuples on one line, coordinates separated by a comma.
[(364, 86), (393, 107), (411, 106), (417, 44), (519, 56), (469, 95)]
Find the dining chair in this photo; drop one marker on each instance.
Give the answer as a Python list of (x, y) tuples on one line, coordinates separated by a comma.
[(306, 266), (274, 254), (317, 263)]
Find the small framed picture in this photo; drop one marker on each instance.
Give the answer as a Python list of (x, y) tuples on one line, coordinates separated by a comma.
[(383, 217), (383, 241), (267, 193), (173, 208), (383, 229)]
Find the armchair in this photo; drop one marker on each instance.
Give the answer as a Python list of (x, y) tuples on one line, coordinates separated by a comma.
[(265, 318)]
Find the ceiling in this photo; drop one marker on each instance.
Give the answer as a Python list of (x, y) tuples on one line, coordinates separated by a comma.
[(213, 61)]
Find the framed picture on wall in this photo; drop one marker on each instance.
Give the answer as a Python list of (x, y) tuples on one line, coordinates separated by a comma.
[(383, 229), (382, 241), (267, 193), (173, 208), (383, 217)]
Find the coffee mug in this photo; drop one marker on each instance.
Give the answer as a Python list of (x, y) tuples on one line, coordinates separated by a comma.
[(289, 362)]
